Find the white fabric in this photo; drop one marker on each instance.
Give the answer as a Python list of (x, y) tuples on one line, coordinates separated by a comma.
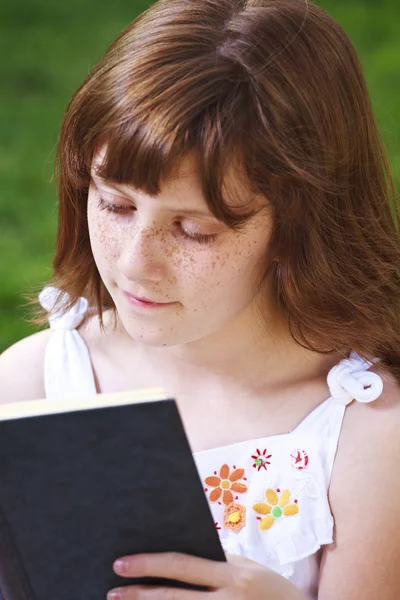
[(68, 369), (350, 381), (300, 461)]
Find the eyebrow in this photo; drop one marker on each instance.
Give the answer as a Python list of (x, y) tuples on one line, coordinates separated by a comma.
[(186, 211)]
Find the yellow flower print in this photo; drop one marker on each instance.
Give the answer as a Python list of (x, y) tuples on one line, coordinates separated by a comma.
[(276, 507)]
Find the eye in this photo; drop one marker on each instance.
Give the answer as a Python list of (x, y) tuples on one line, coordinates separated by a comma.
[(113, 208), (200, 238)]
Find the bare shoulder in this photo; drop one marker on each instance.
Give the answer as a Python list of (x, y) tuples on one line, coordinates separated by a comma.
[(22, 369), (22, 365), (368, 444), (370, 423), (362, 495)]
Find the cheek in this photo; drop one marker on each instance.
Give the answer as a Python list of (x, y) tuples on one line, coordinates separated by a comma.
[(103, 237), (220, 272)]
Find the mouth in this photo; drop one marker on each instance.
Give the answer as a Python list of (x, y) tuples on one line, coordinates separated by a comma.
[(145, 302)]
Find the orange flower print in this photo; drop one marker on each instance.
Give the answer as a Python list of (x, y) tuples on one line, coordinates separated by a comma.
[(275, 508), (225, 484), (235, 517)]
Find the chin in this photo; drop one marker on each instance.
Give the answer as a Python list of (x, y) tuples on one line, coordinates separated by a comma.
[(158, 337)]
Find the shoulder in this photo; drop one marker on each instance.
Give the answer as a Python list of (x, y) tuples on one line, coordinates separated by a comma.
[(22, 369), (366, 424), (369, 445), (363, 496), (22, 365)]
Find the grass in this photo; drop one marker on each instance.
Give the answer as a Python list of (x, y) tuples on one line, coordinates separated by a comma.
[(46, 50)]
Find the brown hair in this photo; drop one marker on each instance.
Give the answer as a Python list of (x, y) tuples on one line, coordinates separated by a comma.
[(276, 85)]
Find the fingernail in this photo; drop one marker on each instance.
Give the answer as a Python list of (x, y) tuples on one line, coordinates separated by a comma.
[(120, 566), (114, 595)]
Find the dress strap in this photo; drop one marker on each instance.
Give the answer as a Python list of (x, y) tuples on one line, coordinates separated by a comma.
[(350, 380), (61, 319), (68, 369)]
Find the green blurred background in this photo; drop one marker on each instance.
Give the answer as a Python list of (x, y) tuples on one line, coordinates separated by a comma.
[(46, 50)]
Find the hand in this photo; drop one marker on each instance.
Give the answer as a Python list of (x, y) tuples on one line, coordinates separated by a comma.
[(239, 578)]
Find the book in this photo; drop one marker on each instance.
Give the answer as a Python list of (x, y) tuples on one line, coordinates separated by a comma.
[(84, 482)]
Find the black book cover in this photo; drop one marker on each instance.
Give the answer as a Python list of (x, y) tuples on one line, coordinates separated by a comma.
[(79, 489)]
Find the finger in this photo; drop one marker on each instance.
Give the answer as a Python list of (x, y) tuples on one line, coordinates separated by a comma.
[(153, 592), (242, 561), (175, 565)]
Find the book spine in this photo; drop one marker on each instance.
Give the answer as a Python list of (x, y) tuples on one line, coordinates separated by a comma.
[(14, 581)]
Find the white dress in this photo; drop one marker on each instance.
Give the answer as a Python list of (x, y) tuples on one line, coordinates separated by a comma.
[(268, 496)]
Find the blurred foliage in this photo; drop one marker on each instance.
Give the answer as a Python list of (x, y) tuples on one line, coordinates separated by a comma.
[(46, 50)]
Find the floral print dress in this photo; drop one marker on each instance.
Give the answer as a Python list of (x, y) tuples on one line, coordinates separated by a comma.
[(268, 496)]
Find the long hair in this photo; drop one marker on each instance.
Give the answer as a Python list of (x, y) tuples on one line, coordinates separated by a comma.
[(277, 86)]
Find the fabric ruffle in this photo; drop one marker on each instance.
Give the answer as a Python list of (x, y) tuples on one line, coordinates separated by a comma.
[(288, 550)]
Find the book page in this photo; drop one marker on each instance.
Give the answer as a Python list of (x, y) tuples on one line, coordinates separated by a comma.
[(30, 408)]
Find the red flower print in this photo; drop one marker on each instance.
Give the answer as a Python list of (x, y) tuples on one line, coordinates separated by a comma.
[(261, 459), (299, 459)]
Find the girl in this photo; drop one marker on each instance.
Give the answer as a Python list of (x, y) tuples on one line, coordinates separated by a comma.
[(228, 230)]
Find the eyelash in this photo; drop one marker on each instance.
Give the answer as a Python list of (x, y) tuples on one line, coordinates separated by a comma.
[(193, 237)]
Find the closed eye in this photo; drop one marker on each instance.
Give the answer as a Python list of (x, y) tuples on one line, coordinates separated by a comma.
[(122, 209), (113, 208)]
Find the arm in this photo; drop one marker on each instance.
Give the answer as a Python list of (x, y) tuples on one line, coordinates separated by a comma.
[(22, 367), (364, 562)]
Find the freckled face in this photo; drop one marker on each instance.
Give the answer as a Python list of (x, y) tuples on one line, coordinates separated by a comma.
[(153, 248)]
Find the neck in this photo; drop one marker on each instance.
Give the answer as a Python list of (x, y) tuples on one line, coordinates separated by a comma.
[(246, 356)]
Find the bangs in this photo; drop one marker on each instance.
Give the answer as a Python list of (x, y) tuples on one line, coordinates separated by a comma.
[(146, 152), (155, 108)]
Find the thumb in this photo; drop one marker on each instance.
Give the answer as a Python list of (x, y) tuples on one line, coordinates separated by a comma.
[(242, 561)]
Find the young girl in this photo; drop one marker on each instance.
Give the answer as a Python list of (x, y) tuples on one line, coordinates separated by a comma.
[(228, 230)]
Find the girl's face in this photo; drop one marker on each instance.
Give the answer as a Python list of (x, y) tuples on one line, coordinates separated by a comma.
[(171, 250)]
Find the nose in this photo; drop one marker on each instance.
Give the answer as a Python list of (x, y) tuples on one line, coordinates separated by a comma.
[(142, 257)]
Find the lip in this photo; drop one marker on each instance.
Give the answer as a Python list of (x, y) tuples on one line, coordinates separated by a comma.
[(145, 302)]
